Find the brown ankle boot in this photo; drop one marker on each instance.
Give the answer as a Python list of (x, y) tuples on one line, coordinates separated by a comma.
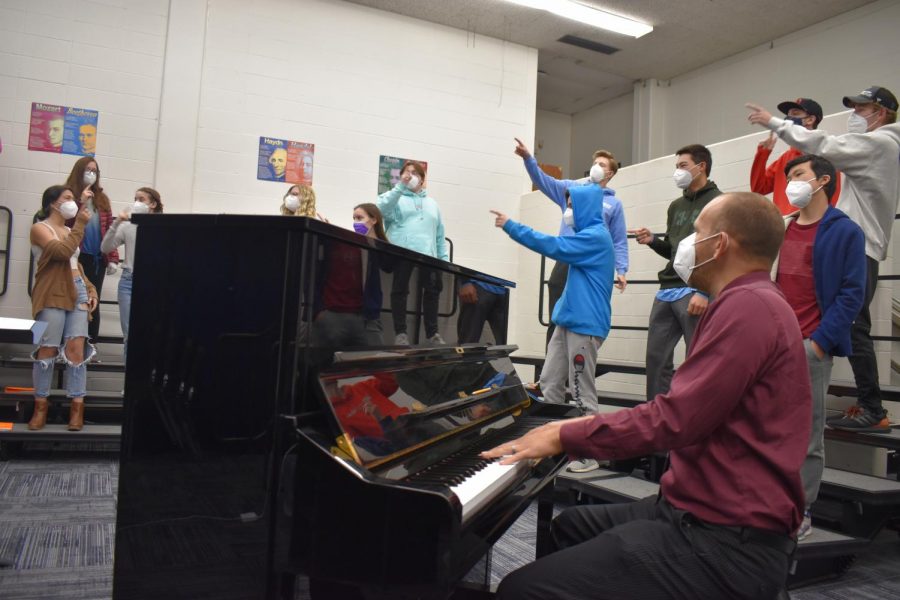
[(39, 418), (76, 416)]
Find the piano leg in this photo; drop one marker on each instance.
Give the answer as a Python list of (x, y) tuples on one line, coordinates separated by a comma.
[(544, 542), (287, 586)]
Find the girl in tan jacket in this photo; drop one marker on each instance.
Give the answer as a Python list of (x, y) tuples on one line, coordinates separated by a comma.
[(63, 298)]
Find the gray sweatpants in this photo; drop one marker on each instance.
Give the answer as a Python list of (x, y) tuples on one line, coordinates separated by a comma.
[(669, 322), (571, 356), (814, 465)]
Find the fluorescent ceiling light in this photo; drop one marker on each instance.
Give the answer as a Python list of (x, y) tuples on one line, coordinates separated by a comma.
[(589, 15)]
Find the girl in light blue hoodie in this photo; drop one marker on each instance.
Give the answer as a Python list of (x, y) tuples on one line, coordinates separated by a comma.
[(413, 220)]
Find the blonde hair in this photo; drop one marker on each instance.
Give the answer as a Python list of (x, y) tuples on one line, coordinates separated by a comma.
[(307, 206)]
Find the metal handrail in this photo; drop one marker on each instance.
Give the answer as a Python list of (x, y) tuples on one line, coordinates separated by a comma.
[(5, 251)]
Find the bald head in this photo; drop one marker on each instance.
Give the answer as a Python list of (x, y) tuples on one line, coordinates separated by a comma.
[(751, 221)]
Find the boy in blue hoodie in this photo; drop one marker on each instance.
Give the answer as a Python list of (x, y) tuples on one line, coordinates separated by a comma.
[(822, 272), (603, 169), (582, 315)]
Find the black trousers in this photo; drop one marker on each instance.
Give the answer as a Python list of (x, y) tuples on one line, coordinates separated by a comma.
[(95, 270), (555, 286), (865, 369), (491, 308), (431, 285), (648, 550)]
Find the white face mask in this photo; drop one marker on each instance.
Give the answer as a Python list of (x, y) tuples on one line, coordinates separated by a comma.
[(800, 193), (68, 209), (292, 202), (686, 255), (90, 178), (414, 182), (597, 173), (857, 123), (683, 178), (139, 208), (569, 217)]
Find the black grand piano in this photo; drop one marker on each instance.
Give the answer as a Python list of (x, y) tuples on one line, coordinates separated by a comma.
[(272, 430)]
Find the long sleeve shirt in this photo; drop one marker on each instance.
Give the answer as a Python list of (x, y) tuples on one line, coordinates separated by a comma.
[(732, 418), (121, 233), (772, 180), (613, 213)]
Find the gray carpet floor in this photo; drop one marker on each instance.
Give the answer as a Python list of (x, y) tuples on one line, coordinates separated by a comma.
[(57, 523)]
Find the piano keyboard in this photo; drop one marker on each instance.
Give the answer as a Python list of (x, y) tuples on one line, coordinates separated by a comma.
[(474, 480)]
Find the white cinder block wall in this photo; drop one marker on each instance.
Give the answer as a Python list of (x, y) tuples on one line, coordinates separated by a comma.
[(116, 68), (354, 81), (358, 83)]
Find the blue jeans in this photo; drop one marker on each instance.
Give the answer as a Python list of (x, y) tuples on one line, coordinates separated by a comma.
[(125, 282), (63, 325)]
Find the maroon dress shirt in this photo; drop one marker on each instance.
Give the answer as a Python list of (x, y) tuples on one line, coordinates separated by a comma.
[(736, 418)]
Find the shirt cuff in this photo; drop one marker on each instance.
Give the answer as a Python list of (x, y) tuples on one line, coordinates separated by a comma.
[(774, 123), (574, 439)]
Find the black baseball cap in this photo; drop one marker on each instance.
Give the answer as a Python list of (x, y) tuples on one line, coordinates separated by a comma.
[(810, 107), (879, 95)]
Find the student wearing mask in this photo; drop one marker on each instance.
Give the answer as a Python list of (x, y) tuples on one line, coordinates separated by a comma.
[(63, 298), (348, 297), (124, 232), (677, 306), (582, 315), (867, 156), (770, 180), (822, 272), (722, 525), (412, 219), (299, 201), (84, 180), (603, 168)]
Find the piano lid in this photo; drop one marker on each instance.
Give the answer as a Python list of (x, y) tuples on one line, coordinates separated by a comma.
[(387, 408)]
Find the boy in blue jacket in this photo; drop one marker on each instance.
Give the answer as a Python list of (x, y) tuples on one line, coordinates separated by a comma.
[(582, 315), (822, 272), (603, 169)]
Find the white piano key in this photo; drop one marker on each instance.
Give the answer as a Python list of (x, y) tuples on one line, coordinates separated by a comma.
[(479, 489)]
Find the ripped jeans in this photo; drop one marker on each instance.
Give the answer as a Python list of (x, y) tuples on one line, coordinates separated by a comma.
[(63, 325)]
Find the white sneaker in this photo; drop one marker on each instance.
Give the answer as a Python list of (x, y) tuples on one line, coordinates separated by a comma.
[(437, 340), (584, 466), (401, 340), (805, 527)]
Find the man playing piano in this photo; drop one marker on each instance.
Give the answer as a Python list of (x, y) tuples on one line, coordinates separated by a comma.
[(722, 525)]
